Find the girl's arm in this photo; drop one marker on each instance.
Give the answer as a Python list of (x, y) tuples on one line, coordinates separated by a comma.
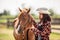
[(46, 29)]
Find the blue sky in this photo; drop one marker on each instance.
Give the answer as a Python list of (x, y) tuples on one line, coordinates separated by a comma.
[(12, 5)]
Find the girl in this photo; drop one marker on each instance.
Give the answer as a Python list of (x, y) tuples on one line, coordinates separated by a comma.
[(44, 26)]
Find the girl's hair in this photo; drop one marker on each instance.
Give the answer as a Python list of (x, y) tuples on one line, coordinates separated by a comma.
[(45, 18)]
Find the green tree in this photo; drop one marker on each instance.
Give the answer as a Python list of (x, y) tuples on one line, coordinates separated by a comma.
[(1, 14), (51, 11), (6, 12)]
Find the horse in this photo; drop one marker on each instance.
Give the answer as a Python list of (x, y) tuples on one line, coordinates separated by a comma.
[(23, 26)]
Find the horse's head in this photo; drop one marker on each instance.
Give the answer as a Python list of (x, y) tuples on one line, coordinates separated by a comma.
[(24, 14), (24, 18)]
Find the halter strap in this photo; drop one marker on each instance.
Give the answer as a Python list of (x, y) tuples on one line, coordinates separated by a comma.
[(27, 33)]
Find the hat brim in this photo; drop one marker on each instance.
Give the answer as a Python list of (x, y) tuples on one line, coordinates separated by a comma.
[(44, 12)]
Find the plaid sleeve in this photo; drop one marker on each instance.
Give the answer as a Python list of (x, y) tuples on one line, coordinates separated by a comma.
[(46, 29)]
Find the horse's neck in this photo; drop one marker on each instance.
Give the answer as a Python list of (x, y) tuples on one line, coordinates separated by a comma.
[(28, 26)]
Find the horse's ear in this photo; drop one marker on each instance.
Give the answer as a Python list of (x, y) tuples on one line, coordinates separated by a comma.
[(28, 10), (20, 10)]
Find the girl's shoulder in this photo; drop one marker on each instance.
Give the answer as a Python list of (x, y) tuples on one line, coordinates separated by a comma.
[(47, 23)]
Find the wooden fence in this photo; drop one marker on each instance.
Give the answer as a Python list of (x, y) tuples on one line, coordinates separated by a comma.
[(9, 21), (56, 21)]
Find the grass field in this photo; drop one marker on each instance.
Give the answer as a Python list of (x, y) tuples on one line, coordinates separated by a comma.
[(7, 34)]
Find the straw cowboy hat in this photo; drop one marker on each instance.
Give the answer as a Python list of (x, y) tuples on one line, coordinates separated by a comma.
[(43, 10)]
